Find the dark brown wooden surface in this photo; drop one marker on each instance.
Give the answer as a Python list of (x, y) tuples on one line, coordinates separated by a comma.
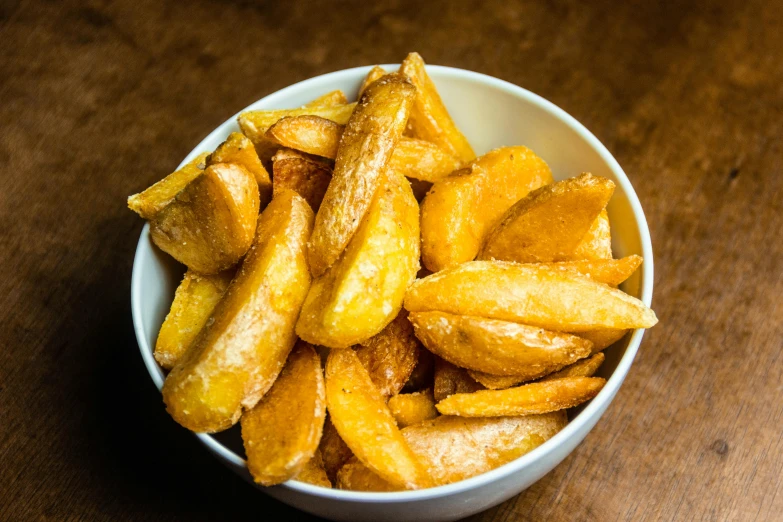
[(99, 99)]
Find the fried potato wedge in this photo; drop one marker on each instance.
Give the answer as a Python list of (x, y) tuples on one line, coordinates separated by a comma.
[(495, 346), (195, 298), (369, 139), (210, 224), (497, 382), (241, 350), (329, 99), (281, 433), (391, 355), (461, 208), (423, 374), (314, 473), (310, 134), (356, 476), (549, 223), (156, 197), (413, 408), (429, 118), (597, 243), (374, 74), (360, 294), (334, 451), (610, 272), (584, 368), (239, 150), (254, 124), (302, 174), (422, 160), (602, 338), (528, 399), (557, 300), (450, 379)]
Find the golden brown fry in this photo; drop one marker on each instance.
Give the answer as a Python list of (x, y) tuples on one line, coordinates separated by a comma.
[(360, 294), (364, 422), (329, 99), (254, 124), (281, 433), (153, 199), (239, 353), (597, 243), (210, 225), (413, 408), (497, 382), (422, 160), (429, 118), (358, 477), (310, 134), (374, 74), (334, 451), (610, 272), (423, 373), (584, 368), (368, 141), (549, 223), (558, 300), (195, 298), (461, 208), (313, 472), (302, 174), (239, 150), (602, 338), (528, 399), (450, 379), (390, 356)]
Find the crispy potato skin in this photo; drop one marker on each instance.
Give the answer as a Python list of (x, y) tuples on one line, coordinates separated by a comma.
[(329, 99), (497, 382), (497, 347), (211, 223), (528, 399), (374, 74), (460, 209), (334, 451), (413, 408), (195, 298), (584, 368), (602, 338), (557, 300), (314, 472), (281, 433), (254, 124), (597, 243), (156, 197), (450, 379), (364, 422), (610, 272), (239, 150), (429, 118), (238, 355), (370, 137), (302, 174), (360, 294)]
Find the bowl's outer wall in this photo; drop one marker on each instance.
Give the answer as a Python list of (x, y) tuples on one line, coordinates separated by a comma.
[(491, 113)]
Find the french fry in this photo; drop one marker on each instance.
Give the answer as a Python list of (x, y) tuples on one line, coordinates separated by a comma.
[(281, 433), (302, 174), (422, 160), (254, 124), (356, 476), (330, 99), (239, 353), (584, 368), (610, 272), (450, 379), (152, 200), (597, 243), (602, 338), (334, 451), (314, 473), (239, 150), (497, 382), (374, 74), (413, 408)]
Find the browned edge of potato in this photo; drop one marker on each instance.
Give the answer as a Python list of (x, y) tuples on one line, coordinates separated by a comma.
[(304, 175), (153, 199)]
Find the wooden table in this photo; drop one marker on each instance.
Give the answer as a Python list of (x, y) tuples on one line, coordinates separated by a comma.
[(97, 101)]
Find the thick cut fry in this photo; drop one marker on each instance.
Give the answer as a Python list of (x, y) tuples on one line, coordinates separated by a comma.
[(597, 243), (558, 300), (413, 408), (254, 124), (497, 382), (610, 272), (549, 223), (239, 353), (602, 338), (314, 473), (195, 298), (390, 356), (358, 477), (153, 199), (423, 374), (364, 422), (422, 160), (374, 74), (305, 176), (360, 294), (310, 134), (281, 433), (211, 223), (528, 399), (497, 347), (334, 451), (450, 379), (461, 208), (329, 99), (239, 150), (584, 368), (429, 118)]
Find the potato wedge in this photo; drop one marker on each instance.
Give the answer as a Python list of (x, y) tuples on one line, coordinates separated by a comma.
[(495, 346), (610, 272), (358, 477), (359, 295), (329, 99), (364, 422), (369, 139), (254, 124), (152, 200), (239, 150), (391, 355), (497, 382), (429, 118), (581, 368), (528, 399), (195, 298), (602, 338), (302, 174), (549, 223), (597, 243), (281, 432), (461, 208), (310, 134), (314, 473), (334, 451), (450, 379), (210, 224), (374, 74), (557, 300), (240, 352), (422, 160), (584, 368), (423, 374), (413, 408)]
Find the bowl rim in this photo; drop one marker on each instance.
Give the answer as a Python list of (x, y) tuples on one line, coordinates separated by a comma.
[(596, 405)]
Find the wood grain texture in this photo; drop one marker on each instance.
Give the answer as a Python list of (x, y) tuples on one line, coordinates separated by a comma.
[(100, 99)]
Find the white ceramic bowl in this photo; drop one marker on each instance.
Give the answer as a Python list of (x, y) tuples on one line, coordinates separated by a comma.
[(491, 113)]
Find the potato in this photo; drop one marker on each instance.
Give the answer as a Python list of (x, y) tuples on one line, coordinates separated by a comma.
[(359, 412), (597, 243), (557, 300), (390, 356), (497, 382), (210, 224), (195, 298), (281, 433), (584, 368), (549, 223), (330, 99), (368, 141), (413, 408), (239, 150), (495, 346), (423, 374), (610, 272), (334, 451), (450, 379), (359, 295), (422, 160), (358, 477), (374, 74), (462, 207), (239, 353), (429, 119), (602, 338), (302, 174), (528, 399), (314, 473), (254, 124), (153, 199)]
